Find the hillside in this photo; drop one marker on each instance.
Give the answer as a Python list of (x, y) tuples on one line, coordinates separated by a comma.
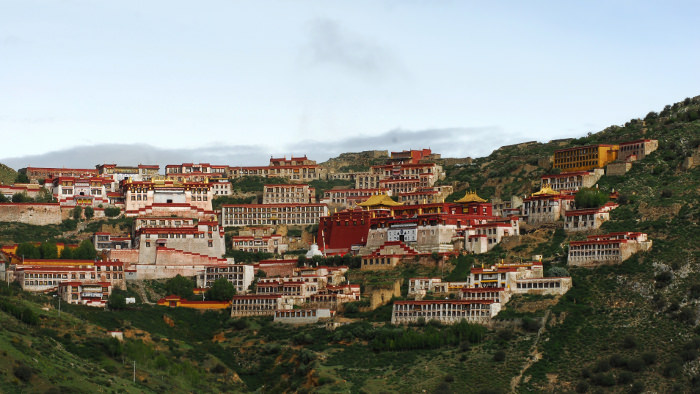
[(355, 161), (7, 174), (626, 328)]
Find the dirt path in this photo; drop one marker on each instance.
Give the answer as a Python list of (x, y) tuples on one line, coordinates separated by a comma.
[(141, 291), (534, 355)]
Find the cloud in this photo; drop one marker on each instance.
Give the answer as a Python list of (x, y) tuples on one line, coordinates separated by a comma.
[(87, 156), (330, 44), (449, 142)]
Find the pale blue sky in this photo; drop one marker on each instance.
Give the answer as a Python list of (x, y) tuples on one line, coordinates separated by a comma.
[(268, 74)]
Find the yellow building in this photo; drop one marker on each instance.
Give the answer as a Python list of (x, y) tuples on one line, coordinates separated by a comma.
[(583, 158)]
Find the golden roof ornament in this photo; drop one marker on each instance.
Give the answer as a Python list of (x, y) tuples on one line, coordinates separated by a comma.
[(546, 191), (470, 196)]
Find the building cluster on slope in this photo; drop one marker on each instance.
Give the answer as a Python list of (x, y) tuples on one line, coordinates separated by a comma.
[(480, 298), (396, 214)]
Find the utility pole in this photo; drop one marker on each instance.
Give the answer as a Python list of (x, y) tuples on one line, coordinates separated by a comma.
[(134, 371)]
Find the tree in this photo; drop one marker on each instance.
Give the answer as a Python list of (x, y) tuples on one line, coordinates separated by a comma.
[(180, 286), (590, 198), (49, 250), (77, 212), (557, 272), (3, 198), (21, 178), (117, 300), (89, 213), (21, 197), (111, 212), (221, 290), (28, 251), (86, 251), (67, 253)]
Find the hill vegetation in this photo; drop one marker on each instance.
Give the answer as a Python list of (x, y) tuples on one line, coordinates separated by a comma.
[(7, 175)]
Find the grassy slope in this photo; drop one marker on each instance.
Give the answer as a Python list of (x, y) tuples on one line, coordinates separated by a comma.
[(7, 174)]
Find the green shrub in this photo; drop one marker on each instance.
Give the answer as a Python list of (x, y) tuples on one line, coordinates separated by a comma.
[(603, 379), (590, 198), (499, 356), (625, 378), (602, 366), (629, 342), (617, 360), (582, 387), (111, 212), (649, 358), (635, 364), (23, 372)]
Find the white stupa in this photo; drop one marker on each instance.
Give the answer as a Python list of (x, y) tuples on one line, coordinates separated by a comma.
[(313, 251)]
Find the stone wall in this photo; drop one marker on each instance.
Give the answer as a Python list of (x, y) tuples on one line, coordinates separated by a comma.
[(379, 296), (40, 214), (618, 168), (130, 256), (281, 268)]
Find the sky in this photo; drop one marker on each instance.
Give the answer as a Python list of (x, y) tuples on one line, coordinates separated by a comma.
[(235, 82)]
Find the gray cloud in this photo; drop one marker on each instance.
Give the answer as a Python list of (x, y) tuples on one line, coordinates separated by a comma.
[(87, 156), (329, 43), (450, 142)]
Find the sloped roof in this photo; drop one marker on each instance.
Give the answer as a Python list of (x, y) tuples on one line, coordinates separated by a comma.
[(546, 190), (379, 200), (470, 196)]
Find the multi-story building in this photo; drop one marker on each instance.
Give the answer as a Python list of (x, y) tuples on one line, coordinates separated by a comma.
[(444, 311), (546, 206), (240, 275), (483, 237), (257, 305), (612, 248), (191, 172), (584, 158), (421, 174), (42, 275), (413, 156), (427, 195), (345, 198), (295, 292), (265, 243), (638, 149), (166, 198), (572, 180), (142, 172), (298, 169), (303, 316), (36, 174), (500, 295), (107, 241), (506, 208), (587, 219), (32, 190), (288, 194), (220, 187), (271, 214), (84, 192), (206, 238), (84, 293)]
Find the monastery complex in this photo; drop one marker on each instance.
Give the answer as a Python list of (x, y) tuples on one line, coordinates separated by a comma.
[(399, 213)]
